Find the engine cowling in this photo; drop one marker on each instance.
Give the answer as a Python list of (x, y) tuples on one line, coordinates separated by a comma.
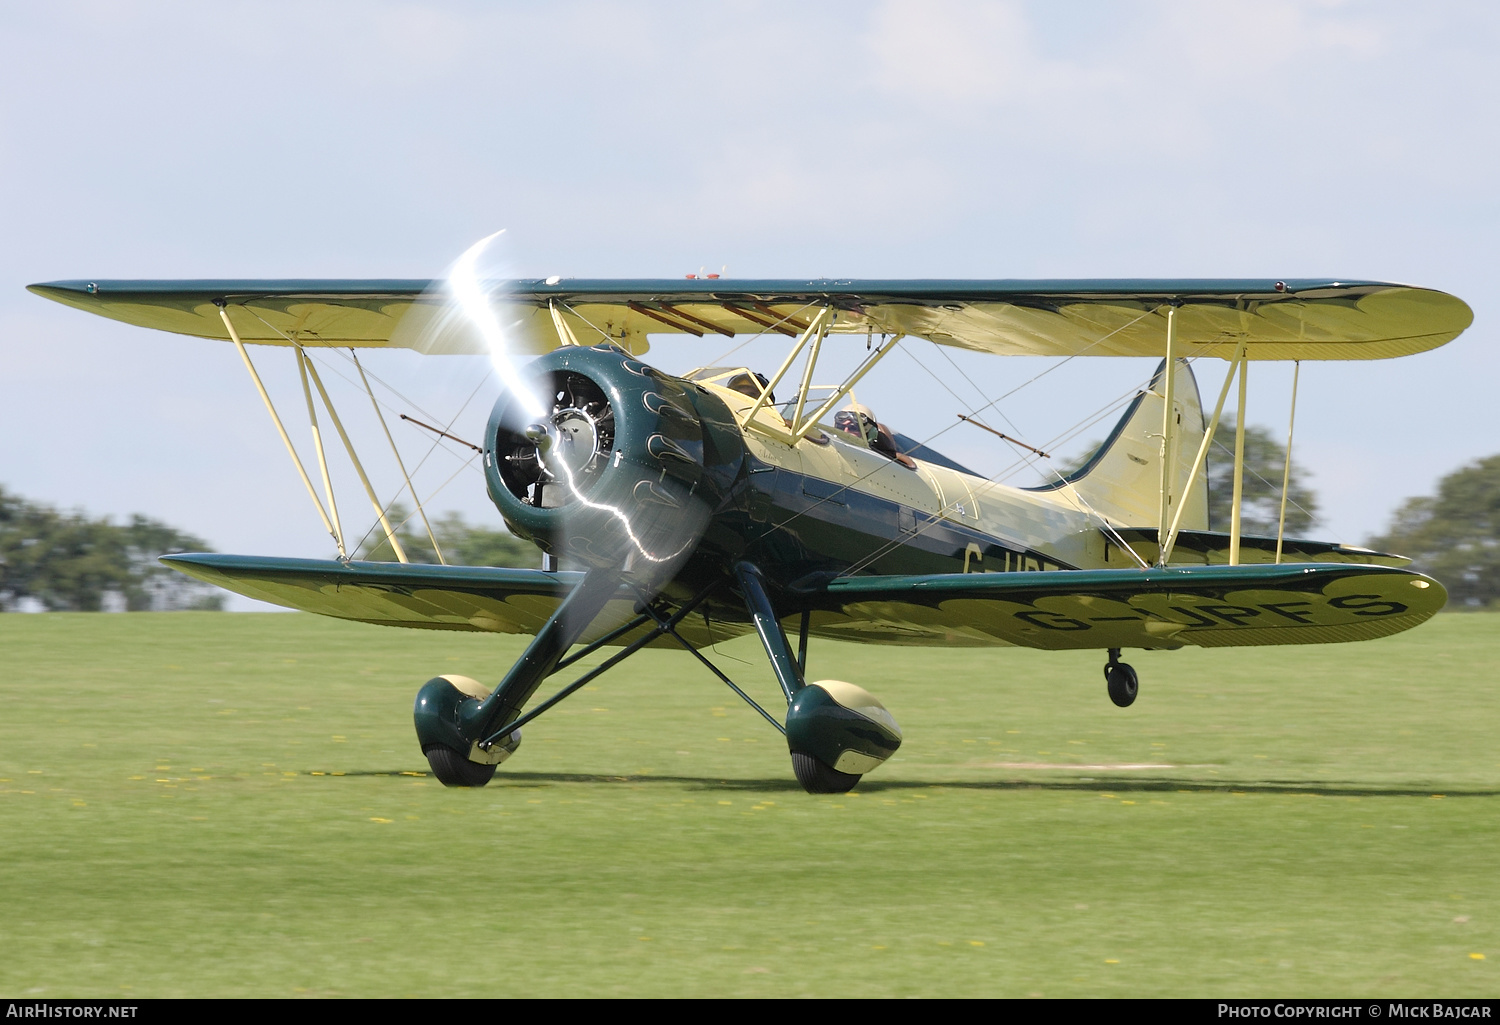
[(623, 467)]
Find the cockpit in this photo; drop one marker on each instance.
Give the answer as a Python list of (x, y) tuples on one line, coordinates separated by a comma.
[(859, 420), (854, 423), (740, 379)]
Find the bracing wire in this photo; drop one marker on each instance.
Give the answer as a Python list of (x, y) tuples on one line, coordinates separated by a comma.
[(998, 479), (994, 481), (435, 445), (1312, 517)]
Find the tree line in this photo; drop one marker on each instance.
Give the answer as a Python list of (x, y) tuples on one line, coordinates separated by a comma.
[(1452, 536), (462, 543), (70, 562)]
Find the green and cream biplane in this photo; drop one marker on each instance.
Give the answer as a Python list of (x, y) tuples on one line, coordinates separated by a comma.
[(698, 508)]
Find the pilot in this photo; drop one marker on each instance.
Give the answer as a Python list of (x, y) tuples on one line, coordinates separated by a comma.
[(859, 420)]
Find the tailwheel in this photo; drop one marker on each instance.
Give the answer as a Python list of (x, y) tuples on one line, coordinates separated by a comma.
[(1121, 680), (454, 770), (817, 778)]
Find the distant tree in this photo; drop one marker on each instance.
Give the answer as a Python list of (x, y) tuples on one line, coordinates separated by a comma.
[(1455, 534), (463, 544), (1260, 504), (69, 562), (152, 587)]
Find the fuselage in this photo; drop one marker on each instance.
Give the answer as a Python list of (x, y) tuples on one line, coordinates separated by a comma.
[(678, 479), (829, 503)]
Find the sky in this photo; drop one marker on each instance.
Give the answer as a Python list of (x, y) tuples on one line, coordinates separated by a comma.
[(905, 140)]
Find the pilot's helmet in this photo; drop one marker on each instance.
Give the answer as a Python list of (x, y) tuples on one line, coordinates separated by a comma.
[(857, 418), (751, 386)]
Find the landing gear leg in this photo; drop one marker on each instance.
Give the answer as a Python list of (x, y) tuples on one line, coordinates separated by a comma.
[(451, 723), (1121, 680), (836, 732)]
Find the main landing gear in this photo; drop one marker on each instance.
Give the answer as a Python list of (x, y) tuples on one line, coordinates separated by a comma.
[(835, 731), (454, 770), (1121, 680), (817, 778)]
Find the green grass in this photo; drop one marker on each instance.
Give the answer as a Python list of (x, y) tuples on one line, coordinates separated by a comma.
[(207, 804)]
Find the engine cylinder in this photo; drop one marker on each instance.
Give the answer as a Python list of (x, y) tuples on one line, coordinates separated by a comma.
[(617, 471)]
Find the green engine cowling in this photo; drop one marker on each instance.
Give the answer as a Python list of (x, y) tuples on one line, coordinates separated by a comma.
[(623, 467)]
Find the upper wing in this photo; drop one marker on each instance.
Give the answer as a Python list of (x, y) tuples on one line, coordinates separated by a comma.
[(1208, 606), (1297, 319), (404, 314)]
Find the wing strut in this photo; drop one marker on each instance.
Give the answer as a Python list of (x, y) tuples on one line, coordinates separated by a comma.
[(1239, 471), (399, 461), (390, 533), (307, 368), (807, 376), (815, 330), (312, 419), (291, 450), (801, 430), (1286, 471), (563, 330), (802, 424), (1208, 438), (1168, 431)]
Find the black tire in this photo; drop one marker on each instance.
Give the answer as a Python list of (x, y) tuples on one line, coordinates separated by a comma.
[(454, 770), (1122, 682), (817, 778)]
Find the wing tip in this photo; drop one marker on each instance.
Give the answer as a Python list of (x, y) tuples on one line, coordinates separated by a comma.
[(63, 291)]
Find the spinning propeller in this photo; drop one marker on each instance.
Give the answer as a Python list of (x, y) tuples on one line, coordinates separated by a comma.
[(604, 463)]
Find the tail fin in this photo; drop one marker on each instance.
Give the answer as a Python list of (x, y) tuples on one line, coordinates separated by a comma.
[(1122, 479)]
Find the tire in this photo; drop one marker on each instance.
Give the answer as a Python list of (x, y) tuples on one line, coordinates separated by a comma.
[(454, 770), (817, 778), (1122, 682)]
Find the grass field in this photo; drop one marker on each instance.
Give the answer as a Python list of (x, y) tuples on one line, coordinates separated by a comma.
[(235, 805)]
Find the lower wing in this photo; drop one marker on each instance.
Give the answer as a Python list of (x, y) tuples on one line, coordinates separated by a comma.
[(486, 598), (1207, 606)]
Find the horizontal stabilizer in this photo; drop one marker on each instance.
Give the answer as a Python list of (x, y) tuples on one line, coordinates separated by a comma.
[(1211, 548), (1207, 606)]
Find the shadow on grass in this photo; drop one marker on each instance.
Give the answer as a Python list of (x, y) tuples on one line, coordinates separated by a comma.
[(1094, 786)]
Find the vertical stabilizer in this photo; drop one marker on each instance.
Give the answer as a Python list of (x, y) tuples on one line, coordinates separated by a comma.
[(1122, 479)]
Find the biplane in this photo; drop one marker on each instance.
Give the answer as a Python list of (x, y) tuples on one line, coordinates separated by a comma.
[(686, 510)]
